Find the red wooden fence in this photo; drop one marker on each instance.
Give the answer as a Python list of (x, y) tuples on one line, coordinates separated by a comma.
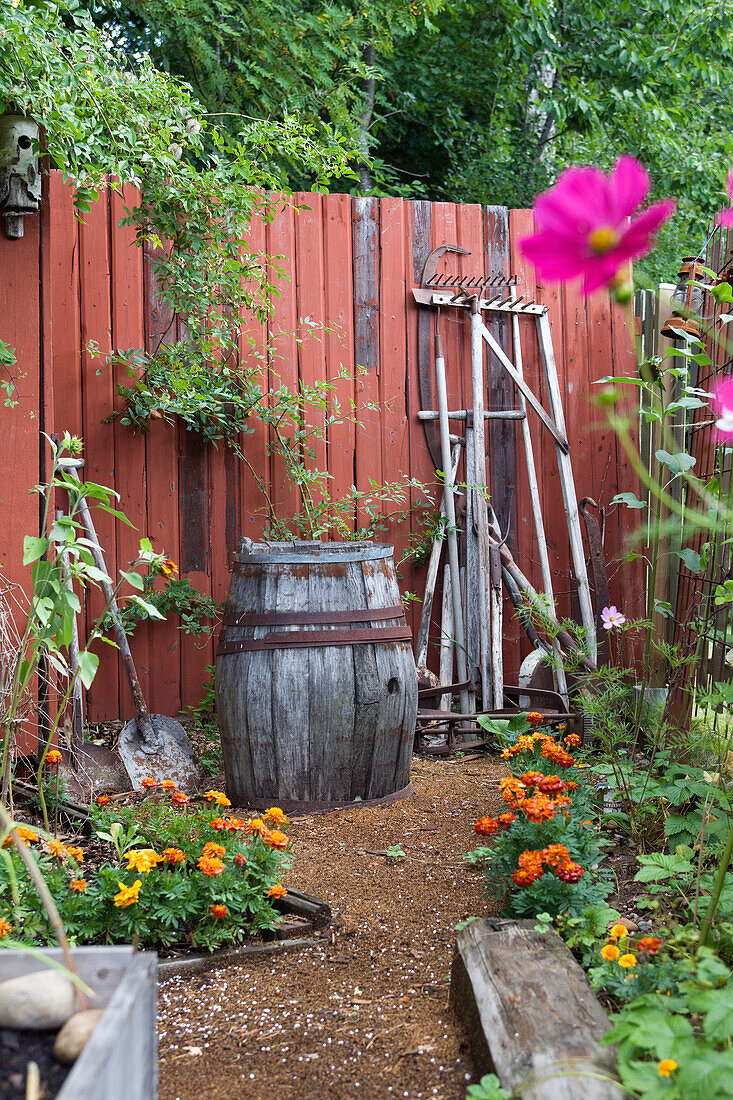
[(350, 263)]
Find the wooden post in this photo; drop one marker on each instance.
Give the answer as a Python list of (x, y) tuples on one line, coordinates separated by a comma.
[(530, 1013)]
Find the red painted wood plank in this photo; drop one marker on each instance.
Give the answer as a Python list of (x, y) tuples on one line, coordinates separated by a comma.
[(164, 694), (128, 331), (62, 323), (197, 470), (309, 275), (392, 356), (99, 441), (339, 340), (253, 357), (283, 327), (365, 236), (20, 426)]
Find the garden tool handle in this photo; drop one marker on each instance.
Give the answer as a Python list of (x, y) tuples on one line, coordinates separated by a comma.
[(150, 739)]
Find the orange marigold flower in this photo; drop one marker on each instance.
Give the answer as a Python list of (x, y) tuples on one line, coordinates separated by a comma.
[(610, 952), (239, 860), (5, 928), (569, 872), (277, 891), (235, 824), (555, 854), (53, 758), (534, 718), (210, 865), (486, 826), (525, 877), (557, 755), (276, 839), (149, 783), (667, 1066), (55, 848), (102, 799), (649, 945), (128, 895), (627, 961), (275, 816), (572, 741), (218, 824), (538, 808), (512, 788), (173, 855), (218, 797), (530, 858), (256, 825), (167, 784), (78, 884), (180, 798), (142, 860), (550, 784), (571, 785), (219, 911), (213, 849), (505, 820), (531, 779), (30, 836), (75, 853)]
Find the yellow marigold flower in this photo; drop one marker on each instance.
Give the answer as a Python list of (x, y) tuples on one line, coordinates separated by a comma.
[(667, 1066), (276, 839), (53, 758), (275, 816), (168, 566), (218, 797), (277, 891), (78, 884), (618, 932), (128, 895), (142, 860), (256, 825), (627, 961), (610, 952), (5, 928)]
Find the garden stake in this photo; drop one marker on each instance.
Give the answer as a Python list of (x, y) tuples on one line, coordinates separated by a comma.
[(421, 645)]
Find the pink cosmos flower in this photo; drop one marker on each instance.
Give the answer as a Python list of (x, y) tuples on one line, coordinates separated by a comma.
[(611, 617), (725, 217), (723, 405), (584, 227)]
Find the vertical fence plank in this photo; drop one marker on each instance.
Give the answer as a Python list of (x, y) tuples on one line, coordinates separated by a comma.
[(418, 242), (365, 236), (392, 356), (339, 340), (283, 327), (97, 405), (253, 357), (200, 474), (128, 331), (310, 313), (164, 690)]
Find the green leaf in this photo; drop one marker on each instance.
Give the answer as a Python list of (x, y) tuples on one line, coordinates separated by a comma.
[(629, 499), (88, 665), (723, 292), (676, 463), (133, 579), (151, 610), (33, 549), (691, 558)]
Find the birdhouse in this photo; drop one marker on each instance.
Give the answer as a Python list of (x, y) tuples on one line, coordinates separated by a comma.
[(20, 179)]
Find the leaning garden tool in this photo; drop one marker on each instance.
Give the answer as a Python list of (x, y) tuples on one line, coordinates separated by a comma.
[(150, 744)]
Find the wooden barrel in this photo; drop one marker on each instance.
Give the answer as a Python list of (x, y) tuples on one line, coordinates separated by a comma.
[(316, 688)]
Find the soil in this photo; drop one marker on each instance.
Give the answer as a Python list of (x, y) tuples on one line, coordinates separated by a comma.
[(364, 1012), (17, 1049)]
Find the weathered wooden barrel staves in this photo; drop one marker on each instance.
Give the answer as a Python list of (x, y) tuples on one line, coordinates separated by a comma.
[(316, 686)]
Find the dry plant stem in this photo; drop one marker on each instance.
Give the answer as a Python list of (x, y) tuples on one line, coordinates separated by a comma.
[(32, 1082), (44, 894)]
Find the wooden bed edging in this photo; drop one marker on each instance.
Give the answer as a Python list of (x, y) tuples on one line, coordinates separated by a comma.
[(189, 965), (531, 1015)]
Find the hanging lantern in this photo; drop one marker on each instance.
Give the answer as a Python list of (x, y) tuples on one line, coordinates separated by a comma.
[(690, 299)]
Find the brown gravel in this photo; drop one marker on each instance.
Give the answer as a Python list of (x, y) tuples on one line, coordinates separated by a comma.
[(363, 1013)]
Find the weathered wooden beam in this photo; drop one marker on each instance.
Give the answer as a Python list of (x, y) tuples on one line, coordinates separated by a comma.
[(531, 1015)]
